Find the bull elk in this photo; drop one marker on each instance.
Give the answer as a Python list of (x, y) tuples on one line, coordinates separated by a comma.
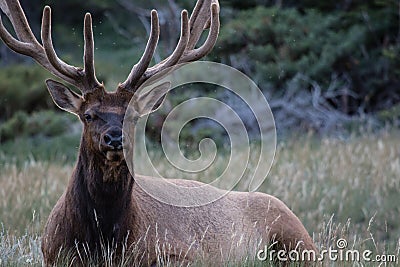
[(102, 205)]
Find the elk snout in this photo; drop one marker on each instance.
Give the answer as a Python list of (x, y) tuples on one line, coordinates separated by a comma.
[(112, 138)]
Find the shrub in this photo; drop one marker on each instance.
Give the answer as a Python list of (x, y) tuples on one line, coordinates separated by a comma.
[(22, 87), (358, 48), (43, 123), (275, 44)]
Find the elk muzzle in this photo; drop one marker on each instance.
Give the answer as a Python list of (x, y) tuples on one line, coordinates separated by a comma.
[(111, 143)]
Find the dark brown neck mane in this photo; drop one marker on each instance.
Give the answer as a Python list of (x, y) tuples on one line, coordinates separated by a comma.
[(101, 197)]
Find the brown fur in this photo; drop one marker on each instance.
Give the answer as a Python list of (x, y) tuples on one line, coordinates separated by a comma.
[(103, 205)]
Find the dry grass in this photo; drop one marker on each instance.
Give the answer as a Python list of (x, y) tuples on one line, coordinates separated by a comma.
[(339, 189)]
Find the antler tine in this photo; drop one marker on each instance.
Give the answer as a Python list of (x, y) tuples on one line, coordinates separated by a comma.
[(51, 54), (195, 54), (27, 44), (205, 12), (183, 42), (139, 69), (197, 22), (14, 44), (88, 56), (18, 18), (180, 49), (86, 79)]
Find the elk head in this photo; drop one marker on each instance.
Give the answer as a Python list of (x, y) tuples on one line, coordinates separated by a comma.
[(102, 112)]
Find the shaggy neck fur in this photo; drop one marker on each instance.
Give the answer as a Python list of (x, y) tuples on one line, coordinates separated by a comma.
[(101, 192)]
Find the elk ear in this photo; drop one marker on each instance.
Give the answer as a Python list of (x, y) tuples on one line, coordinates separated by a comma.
[(153, 99), (63, 97)]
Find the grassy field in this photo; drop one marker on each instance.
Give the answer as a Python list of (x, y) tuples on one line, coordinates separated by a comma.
[(338, 188)]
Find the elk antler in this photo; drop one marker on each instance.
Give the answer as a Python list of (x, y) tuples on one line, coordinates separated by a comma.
[(27, 44), (205, 14)]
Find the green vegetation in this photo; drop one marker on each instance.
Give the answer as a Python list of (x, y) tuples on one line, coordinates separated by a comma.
[(356, 48), (23, 88), (42, 123)]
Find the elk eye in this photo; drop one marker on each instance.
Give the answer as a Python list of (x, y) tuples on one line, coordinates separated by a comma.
[(88, 117)]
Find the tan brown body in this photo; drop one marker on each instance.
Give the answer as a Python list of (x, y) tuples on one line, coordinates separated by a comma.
[(231, 229)]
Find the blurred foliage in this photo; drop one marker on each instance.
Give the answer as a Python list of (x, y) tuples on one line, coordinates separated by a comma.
[(45, 123), (278, 43), (22, 87), (359, 47)]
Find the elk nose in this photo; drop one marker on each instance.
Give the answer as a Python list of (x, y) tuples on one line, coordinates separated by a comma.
[(113, 139)]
